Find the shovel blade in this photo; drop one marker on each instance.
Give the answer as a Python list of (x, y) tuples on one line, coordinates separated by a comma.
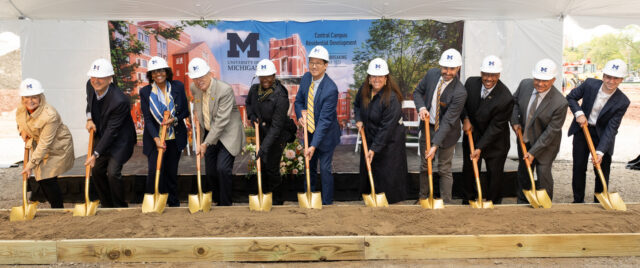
[(532, 198), (82, 210), (481, 204), (378, 200), (258, 204), (207, 201), (152, 204), (23, 214), (431, 203), (614, 202), (315, 202), (543, 199), (196, 204)]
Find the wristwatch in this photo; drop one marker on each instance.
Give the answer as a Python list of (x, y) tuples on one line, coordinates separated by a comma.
[(96, 154)]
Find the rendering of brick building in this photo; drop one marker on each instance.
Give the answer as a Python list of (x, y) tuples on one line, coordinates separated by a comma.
[(290, 58)]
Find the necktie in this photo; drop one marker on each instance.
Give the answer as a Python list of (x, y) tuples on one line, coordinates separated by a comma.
[(438, 92), (532, 110), (311, 124), (205, 109), (485, 92)]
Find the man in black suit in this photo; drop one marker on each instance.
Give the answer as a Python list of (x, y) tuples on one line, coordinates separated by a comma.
[(109, 115), (603, 106), (486, 113), (440, 98)]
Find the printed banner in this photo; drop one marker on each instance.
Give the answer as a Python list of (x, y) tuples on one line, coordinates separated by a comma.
[(233, 50)]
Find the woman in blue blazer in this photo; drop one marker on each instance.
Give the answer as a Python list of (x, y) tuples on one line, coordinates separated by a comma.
[(162, 94)]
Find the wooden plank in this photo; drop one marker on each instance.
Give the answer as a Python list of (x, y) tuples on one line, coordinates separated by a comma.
[(212, 249), (27, 252), (501, 246)]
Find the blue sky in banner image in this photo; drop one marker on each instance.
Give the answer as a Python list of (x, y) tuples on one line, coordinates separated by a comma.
[(339, 37)]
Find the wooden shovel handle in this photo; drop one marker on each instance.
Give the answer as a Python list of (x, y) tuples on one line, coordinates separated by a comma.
[(587, 135), (427, 142), (366, 159), (163, 136), (524, 152), (475, 165)]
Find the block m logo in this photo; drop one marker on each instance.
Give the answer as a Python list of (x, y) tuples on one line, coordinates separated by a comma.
[(250, 42)]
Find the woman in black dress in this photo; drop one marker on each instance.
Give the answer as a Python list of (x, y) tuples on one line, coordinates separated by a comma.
[(378, 109)]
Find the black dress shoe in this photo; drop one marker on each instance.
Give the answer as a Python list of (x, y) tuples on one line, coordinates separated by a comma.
[(636, 166), (634, 161)]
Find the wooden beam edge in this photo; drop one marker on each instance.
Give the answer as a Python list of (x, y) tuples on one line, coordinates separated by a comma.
[(317, 248)]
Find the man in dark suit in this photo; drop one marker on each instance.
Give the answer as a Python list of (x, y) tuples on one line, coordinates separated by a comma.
[(109, 115), (539, 110), (486, 113), (603, 106), (440, 98), (315, 106)]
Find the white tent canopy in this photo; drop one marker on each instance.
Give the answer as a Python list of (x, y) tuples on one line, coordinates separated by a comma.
[(619, 12), (59, 39)]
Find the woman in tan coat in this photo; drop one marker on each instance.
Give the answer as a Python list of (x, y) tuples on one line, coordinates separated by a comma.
[(49, 141)]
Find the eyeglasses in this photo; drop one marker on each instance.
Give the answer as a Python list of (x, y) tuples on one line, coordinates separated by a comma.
[(314, 64)]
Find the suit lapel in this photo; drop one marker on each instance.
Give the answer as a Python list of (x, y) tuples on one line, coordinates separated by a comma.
[(544, 102), (431, 88), (612, 102)]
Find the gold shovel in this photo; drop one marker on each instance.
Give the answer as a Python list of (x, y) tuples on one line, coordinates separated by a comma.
[(156, 202), (200, 201), (259, 202), (610, 201), (538, 198), (27, 211), (89, 208), (431, 203), (477, 203), (308, 199), (373, 199)]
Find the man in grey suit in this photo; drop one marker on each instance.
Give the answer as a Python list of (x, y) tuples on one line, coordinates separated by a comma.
[(541, 109), (223, 133), (440, 98)]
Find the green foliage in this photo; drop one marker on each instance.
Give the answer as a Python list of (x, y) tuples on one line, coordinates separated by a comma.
[(607, 47), (411, 47), (123, 44)]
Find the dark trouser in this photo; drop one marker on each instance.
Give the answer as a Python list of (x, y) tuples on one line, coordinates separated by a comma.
[(107, 183), (325, 157), (543, 170), (168, 182), (219, 168), (52, 192), (581, 160), (494, 179), (271, 171)]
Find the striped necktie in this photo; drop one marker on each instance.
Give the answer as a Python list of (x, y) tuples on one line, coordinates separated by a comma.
[(311, 124), (437, 124)]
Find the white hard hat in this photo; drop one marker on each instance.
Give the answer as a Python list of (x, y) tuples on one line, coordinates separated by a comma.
[(615, 68), (378, 67), (319, 52), (156, 63), (198, 68), (450, 58), (265, 68), (545, 70), (30, 87), (491, 64), (100, 68)]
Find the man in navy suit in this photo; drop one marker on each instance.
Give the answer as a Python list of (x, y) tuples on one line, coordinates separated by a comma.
[(109, 115), (602, 108), (315, 106)]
